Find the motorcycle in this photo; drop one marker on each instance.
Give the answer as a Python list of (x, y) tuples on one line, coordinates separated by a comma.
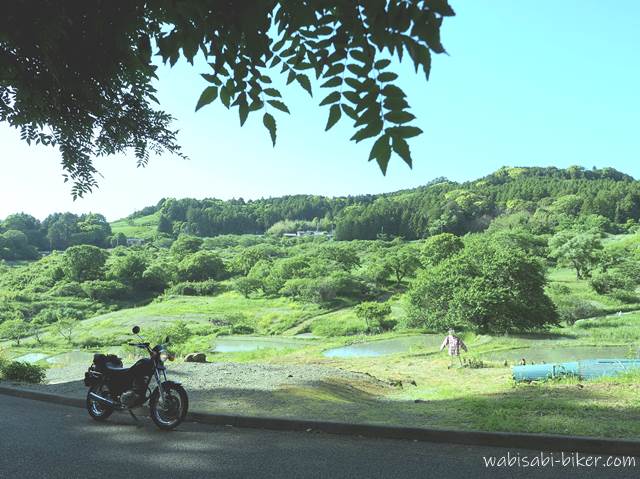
[(115, 388)]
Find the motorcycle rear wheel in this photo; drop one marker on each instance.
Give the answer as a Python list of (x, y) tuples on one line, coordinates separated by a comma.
[(97, 410)]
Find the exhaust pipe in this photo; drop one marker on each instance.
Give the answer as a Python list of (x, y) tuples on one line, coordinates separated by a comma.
[(105, 401)]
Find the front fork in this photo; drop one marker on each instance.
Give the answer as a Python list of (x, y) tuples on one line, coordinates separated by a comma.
[(159, 381)]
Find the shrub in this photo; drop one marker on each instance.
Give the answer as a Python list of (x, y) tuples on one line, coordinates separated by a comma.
[(572, 309), (68, 288), (195, 288), (624, 296), (227, 319), (607, 282), (242, 328), (472, 363), (24, 372), (558, 289), (105, 290)]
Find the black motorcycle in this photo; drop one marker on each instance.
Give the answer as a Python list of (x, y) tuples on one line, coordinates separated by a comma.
[(114, 388)]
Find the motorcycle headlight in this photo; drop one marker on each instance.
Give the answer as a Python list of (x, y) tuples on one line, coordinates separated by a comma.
[(164, 355)]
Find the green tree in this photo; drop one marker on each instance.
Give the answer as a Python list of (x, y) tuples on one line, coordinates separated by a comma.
[(402, 262), (119, 239), (36, 326), (246, 286), (487, 288), (440, 247), (84, 263), (89, 90), (201, 266), (14, 329), (65, 326), (375, 315), (580, 250), (14, 244), (185, 245), (128, 268)]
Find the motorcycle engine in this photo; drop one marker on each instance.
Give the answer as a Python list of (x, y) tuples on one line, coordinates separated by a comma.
[(129, 398), (133, 397)]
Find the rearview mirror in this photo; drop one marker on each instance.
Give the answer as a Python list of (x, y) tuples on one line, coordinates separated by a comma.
[(135, 329)]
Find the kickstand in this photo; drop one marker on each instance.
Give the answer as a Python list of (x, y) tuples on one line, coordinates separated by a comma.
[(134, 417)]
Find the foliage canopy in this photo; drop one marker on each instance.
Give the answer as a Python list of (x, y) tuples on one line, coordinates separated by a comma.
[(78, 75)]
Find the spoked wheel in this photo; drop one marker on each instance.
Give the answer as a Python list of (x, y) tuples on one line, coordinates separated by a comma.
[(168, 414), (98, 410)]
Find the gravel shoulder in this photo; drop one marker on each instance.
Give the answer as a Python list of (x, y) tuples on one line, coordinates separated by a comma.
[(262, 389)]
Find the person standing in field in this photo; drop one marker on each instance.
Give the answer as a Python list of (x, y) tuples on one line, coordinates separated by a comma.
[(454, 343)]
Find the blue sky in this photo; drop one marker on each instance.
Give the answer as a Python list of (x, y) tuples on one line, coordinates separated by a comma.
[(525, 83)]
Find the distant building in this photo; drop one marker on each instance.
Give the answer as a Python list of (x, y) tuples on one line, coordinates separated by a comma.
[(135, 242), (303, 233)]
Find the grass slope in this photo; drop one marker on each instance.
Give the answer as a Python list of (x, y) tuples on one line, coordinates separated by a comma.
[(143, 227)]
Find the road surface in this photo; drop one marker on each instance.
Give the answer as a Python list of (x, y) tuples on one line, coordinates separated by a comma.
[(42, 440)]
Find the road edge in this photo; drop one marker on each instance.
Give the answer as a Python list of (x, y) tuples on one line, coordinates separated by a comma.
[(512, 440)]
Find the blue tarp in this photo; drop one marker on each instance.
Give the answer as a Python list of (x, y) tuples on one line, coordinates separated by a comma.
[(588, 369)]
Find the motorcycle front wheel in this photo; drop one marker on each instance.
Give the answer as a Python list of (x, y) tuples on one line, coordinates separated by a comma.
[(168, 414)]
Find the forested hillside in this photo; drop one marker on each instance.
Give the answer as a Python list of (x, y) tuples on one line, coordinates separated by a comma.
[(543, 199)]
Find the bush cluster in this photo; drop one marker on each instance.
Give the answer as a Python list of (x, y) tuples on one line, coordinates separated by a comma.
[(23, 372)]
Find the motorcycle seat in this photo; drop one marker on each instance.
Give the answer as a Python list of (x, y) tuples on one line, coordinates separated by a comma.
[(114, 368)]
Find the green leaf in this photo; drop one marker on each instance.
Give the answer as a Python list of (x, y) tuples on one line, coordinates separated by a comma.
[(393, 91), (225, 96), (370, 130), (278, 45), (358, 55), (334, 116), (304, 83), (381, 151), (331, 98), (353, 83), (387, 76), (208, 95), (279, 105), (352, 96), (332, 82), (256, 105), (395, 103), (243, 111), (382, 64), (404, 131), (272, 92), (334, 70), (291, 76), (211, 78), (270, 123), (399, 117), (351, 113), (401, 147), (275, 61), (357, 70), (424, 57)]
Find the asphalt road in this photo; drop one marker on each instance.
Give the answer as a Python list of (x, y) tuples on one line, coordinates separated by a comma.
[(42, 440)]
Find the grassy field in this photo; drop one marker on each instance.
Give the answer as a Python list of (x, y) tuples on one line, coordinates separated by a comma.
[(143, 227), (580, 289), (414, 387)]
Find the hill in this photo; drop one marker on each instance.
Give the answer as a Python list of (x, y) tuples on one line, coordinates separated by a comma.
[(535, 194)]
